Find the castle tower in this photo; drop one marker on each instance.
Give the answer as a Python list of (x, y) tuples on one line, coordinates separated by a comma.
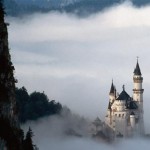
[(138, 96), (112, 97), (132, 120), (138, 80), (112, 93)]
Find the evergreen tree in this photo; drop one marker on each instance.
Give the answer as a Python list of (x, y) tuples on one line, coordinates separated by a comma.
[(28, 144), (22, 98), (35, 105)]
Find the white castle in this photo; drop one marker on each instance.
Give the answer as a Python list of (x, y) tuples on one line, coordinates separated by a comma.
[(125, 114)]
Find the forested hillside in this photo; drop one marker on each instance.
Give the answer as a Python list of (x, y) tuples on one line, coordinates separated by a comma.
[(35, 105)]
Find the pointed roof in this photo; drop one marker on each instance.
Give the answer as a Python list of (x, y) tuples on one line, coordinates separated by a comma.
[(137, 70), (130, 104), (123, 95), (112, 89)]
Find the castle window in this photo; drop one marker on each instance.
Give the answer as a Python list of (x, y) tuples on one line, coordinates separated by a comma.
[(119, 115), (122, 115)]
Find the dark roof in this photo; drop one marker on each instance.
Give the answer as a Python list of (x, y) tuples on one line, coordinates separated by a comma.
[(137, 70), (112, 89), (123, 96), (131, 105)]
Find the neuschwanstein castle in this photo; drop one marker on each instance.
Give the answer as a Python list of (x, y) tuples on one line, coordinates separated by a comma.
[(125, 114)]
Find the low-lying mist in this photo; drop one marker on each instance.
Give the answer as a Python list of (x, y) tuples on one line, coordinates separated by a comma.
[(71, 132)]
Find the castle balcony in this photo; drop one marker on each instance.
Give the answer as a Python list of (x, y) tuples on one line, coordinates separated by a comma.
[(137, 79), (136, 91)]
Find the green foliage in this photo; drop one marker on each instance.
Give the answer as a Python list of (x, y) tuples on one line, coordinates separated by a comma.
[(35, 105), (13, 137), (28, 144)]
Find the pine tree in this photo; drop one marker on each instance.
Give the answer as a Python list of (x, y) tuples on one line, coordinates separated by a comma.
[(28, 144)]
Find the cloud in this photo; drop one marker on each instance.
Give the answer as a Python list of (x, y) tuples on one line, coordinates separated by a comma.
[(74, 59), (63, 27)]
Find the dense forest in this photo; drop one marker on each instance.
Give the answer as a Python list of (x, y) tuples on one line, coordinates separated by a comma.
[(35, 105)]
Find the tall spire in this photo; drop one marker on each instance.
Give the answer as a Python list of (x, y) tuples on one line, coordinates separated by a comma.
[(123, 87), (112, 89), (137, 70)]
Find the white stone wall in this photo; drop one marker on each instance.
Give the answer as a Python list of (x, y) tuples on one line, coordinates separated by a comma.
[(132, 121), (111, 98), (118, 105), (121, 126), (137, 86), (138, 93)]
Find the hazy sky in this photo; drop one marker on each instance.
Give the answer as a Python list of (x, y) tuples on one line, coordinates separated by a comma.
[(74, 59)]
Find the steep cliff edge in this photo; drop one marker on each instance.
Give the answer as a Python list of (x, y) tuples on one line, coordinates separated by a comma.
[(11, 135)]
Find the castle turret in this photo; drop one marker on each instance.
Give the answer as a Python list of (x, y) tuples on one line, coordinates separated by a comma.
[(138, 96), (112, 93), (138, 80), (132, 120), (112, 96)]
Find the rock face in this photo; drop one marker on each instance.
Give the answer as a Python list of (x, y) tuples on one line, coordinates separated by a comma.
[(7, 81), (10, 133)]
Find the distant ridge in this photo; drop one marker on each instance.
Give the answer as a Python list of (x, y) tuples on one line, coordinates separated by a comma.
[(79, 7)]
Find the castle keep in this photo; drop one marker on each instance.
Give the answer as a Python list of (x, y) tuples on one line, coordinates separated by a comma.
[(125, 114)]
